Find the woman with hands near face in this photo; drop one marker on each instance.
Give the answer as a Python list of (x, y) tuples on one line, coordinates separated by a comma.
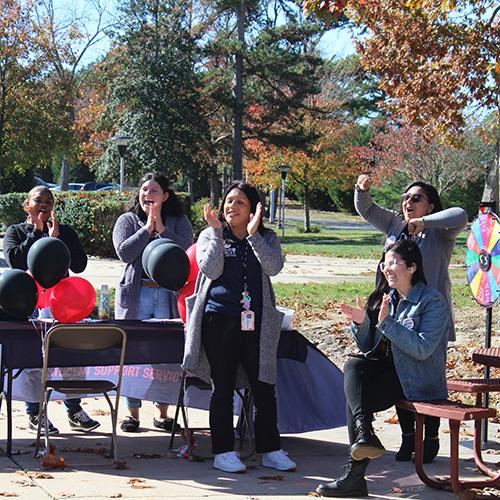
[(154, 212), (233, 327), (402, 336)]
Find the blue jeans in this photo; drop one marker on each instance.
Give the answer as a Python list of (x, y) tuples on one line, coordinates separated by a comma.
[(153, 303), (72, 406)]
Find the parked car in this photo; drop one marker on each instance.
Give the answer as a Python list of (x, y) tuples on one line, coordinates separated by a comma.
[(40, 182), (72, 186), (96, 186), (111, 187)]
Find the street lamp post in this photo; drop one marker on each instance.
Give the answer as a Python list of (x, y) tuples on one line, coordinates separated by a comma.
[(122, 142), (284, 172)]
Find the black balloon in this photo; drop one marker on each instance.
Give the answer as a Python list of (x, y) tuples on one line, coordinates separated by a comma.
[(48, 260), (149, 248), (168, 266), (18, 293)]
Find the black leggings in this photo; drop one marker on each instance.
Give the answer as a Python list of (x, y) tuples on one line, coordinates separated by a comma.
[(226, 347), (370, 385)]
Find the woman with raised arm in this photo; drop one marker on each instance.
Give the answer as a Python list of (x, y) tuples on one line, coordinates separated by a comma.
[(233, 326), (421, 217)]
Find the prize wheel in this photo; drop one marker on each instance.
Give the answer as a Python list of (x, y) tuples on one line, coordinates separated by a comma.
[(482, 259)]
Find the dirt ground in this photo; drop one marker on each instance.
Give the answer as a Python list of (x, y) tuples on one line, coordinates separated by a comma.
[(328, 331)]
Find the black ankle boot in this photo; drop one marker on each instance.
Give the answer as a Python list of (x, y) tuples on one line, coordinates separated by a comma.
[(367, 444), (407, 448), (350, 484), (431, 448)]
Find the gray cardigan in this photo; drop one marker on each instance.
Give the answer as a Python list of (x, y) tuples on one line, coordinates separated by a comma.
[(210, 257), (130, 238), (436, 241)]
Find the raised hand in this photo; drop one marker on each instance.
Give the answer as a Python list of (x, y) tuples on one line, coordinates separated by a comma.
[(364, 182), (53, 226), (210, 216), (254, 221), (384, 308), (159, 226), (150, 223), (415, 226), (37, 221), (356, 314)]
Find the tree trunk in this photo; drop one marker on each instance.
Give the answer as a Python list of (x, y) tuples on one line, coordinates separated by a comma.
[(64, 174), (307, 220), (491, 185), (237, 156), (215, 190)]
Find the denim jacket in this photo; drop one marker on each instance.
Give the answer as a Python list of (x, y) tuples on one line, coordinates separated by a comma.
[(417, 328)]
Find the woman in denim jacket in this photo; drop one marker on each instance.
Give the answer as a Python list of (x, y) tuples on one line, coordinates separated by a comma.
[(403, 335)]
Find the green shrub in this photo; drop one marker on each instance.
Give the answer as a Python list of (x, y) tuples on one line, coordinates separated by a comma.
[(11, 209), (313, 228), (197, 219)]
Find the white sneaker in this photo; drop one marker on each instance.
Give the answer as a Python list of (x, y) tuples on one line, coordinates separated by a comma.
[(278, 460), (229, 462)]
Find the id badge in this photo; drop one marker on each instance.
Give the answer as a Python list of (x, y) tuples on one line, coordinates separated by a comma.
[(247, 321)]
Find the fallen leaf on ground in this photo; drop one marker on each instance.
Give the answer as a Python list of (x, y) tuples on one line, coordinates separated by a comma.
[(116, 495), (86, 449), (8, 494), (393, 419), (140, 486), (313, 494), (66, 494), (135, 480), (277, 477), (146, 455), (23, 482), (121, 465), (100, 413), (35, 475), (395, 489)]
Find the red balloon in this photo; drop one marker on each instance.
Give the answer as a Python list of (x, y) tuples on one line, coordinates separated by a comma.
[(181, 306), (193, 265), (43, 296), (72, 299), (184, 292)]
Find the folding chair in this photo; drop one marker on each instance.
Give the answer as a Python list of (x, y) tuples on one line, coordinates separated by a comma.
[(243, 424), (81, 338)]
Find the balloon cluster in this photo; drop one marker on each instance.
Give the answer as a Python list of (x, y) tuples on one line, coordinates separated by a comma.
[(188, 288), (44, 285), (166, 263)]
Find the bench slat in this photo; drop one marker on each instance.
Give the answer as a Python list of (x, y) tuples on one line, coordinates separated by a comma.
[(447, 409), (474, 385)]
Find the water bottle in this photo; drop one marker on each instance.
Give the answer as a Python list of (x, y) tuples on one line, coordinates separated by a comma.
[(104, 302)]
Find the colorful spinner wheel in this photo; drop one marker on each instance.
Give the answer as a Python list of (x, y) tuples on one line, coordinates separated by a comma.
[(482, 259)]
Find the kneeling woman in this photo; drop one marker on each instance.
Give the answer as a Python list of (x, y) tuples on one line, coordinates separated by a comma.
[(402, 335), (232, 323)]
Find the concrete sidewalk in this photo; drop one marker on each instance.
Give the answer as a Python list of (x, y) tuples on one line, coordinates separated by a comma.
[(152, 473)]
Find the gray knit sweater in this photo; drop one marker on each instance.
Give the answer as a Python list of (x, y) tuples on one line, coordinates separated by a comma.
[(436, 241), (130, 238), (210, 257)]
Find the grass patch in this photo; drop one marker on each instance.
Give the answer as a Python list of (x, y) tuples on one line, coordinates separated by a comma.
[(350, 243), (321, 295)]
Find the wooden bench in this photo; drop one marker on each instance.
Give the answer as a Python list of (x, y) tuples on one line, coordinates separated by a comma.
[(455, 413)]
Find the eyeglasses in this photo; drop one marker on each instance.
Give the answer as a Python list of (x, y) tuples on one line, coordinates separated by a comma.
[(415, 197), (390, 264)]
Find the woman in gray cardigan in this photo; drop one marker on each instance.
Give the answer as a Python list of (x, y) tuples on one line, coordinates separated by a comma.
[(423, 219), (233, 327), (154, 212)]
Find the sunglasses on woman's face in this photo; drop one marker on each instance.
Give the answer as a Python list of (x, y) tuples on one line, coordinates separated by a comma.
[(415, 198)]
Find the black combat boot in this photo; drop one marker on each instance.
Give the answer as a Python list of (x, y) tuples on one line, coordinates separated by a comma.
[(407, 448), (351, 483), (367, 444)]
